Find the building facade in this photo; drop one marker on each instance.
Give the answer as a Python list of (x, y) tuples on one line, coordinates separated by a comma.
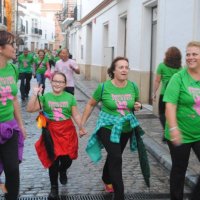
[(7, 14), (141, 30)]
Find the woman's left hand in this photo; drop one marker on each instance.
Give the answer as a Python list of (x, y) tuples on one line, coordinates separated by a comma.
[(137, 106), (23, 132)]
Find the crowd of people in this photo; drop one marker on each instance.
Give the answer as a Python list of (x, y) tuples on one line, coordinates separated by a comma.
[(57, 147)]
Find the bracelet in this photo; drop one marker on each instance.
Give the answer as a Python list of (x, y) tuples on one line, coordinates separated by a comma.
[(173, 128)]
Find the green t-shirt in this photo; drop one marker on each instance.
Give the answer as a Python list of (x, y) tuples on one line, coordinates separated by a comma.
[(166, 73), (184, 92), (8, 89), (117, 101), (58, 107), (25, 63), (43, 65)]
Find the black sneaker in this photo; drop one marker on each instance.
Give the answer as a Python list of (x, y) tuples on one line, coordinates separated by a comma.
[(53, 195), (63, 178)]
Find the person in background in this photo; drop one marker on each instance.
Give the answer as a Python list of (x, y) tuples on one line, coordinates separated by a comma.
[(25, 61), (41, 64), (12, 131), (119, 98), (59, 108), (50, 57), (182, 98), (68, 67), (164, 72)]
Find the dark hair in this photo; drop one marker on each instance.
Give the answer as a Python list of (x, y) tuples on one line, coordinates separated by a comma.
[(59, 73), (6, 37), (173, 57), (111, 69), (41, 50), (65, 50)]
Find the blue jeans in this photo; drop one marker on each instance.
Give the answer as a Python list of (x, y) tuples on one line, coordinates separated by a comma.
[(41, 80)]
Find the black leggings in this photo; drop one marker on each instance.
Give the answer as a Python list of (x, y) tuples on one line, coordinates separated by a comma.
[(161, 108), (9, 158), (112, 171), (61, 164), (180, 158)]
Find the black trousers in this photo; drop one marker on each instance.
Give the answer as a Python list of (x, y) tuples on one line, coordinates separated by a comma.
[(180, 158), (25, 84), (61, 164), (112, 171), (9, 158), (161, 110)]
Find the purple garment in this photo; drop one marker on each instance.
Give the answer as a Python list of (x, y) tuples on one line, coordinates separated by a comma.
[(6, 132)]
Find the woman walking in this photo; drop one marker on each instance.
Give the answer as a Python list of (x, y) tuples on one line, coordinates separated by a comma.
[(115, 124), (182, 132), (41, 65), (164, 72), (12, 132)]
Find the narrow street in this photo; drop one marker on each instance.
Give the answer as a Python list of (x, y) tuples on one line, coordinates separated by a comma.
[(84, 177)]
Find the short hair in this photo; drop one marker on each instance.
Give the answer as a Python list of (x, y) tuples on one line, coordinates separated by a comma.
[(6, 37), (194, 44), (111, 69), (173, 57), (25, 49), (65, 49)]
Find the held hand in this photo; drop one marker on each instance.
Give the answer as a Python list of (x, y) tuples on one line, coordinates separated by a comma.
[(82, 132), (137, 106), (176, 138)]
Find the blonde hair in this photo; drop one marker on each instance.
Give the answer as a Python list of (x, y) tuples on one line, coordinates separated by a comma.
[(194, 44)]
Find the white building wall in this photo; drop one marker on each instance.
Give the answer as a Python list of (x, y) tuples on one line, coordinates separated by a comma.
[(178, 22), (88, 5)]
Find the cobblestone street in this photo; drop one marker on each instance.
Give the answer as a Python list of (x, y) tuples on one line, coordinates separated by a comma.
[(84, 177)]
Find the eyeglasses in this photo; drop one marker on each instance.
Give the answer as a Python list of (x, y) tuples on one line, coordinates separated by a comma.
[(58, 82)]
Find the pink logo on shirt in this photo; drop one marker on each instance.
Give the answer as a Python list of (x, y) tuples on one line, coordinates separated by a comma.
[(197, 105), (5, 93), (25, 64), (121, 106), (57, 112)]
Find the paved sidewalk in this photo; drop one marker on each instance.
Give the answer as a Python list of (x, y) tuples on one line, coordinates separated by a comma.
[(153, 137)]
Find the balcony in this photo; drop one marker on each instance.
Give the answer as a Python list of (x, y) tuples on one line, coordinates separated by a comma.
[(36, 31), (67, 21)]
